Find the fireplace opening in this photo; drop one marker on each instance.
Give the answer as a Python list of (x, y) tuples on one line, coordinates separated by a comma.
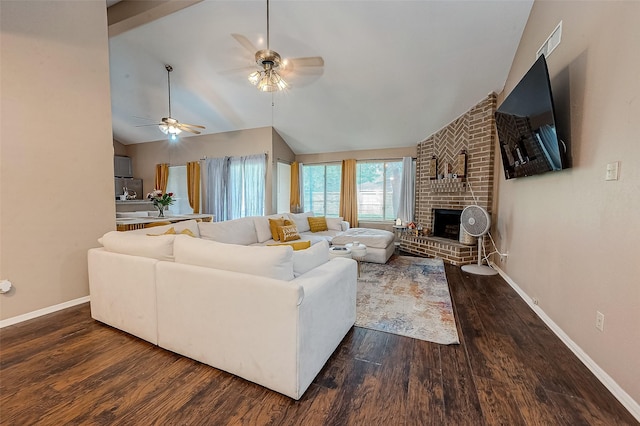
[(446, 223)]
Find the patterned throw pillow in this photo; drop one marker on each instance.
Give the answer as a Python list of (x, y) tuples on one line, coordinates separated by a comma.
[(318, 223), (288, 233)]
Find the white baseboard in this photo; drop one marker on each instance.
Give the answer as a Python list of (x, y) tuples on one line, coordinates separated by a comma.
[(44, 311), (624, 398)]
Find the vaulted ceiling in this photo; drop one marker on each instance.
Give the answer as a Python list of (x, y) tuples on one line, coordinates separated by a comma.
[(394, 71)]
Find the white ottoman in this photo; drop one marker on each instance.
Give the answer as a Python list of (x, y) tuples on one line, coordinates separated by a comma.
[(379, 242)]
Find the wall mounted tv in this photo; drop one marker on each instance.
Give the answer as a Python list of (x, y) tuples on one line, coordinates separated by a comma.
[(526, 123)]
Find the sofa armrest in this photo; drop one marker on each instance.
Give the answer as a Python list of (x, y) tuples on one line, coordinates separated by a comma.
[(327, 313), (240, 323), (123, 292)]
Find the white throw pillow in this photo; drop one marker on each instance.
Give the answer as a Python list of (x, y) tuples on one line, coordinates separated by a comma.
[(263, 231), (271, 262), (237, 231), (300, 219), (334, 223), (314, 256), (157, 247)]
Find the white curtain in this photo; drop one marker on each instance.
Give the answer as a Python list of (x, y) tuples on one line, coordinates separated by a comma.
[(215, 183), (254, 182), (407, 191), (235, 186)]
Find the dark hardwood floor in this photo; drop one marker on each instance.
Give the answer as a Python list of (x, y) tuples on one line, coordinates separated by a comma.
[(510, 369)]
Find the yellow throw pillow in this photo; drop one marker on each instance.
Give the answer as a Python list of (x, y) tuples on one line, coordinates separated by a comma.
[(172, 231), (297, 245), (288, 233), (273, 225), (188, 232), (318, 223), (169, 231)]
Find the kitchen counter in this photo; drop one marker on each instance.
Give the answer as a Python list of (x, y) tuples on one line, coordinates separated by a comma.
[(130, 223)]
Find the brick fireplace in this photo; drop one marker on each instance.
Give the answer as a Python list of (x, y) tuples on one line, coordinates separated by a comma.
[(473, 132)]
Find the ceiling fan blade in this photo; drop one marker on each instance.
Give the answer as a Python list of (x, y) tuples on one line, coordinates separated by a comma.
[(186, 129), (310, 61), (147, 125), (193, 125), (245, 43)]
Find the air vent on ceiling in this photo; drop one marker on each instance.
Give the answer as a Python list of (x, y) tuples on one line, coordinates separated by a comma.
[(551, 42)]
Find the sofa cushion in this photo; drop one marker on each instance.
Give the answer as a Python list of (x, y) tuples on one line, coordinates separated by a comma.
[(296, 245), (263, 230), (288, 233), (317, 224), (300, 219), (271, 262), (335, 223), (314, 256), (158, 247), (237, 231)]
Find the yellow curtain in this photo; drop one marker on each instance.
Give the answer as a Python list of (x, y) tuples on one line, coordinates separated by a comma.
[(193, 185), (162, 177), (349, 193), (294, 198)]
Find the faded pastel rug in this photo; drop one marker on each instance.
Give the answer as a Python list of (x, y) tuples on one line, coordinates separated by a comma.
[(408, 296)]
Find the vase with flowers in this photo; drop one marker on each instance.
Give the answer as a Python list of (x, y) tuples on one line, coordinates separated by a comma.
[(160, 200)]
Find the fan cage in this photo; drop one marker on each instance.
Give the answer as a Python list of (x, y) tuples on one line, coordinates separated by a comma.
[(475, 221)]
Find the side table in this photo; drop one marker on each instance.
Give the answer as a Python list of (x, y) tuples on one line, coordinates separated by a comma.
[(358, 252), (399, 230), (339, 252)]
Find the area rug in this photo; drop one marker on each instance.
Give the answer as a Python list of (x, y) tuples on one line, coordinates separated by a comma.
[(408, 296)]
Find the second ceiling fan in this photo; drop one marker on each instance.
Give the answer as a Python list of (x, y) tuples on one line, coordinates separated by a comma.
[(269, 76)]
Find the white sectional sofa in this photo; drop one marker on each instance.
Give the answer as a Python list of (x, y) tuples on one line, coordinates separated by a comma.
[(255, 230), (268, 314)]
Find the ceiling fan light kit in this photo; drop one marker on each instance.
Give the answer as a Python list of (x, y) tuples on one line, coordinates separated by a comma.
[(170, 126), (268, 80)]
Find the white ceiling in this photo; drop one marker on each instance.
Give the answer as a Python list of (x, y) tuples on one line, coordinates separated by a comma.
[(394, 71)]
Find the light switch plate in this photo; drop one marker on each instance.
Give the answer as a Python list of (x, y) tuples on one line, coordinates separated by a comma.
[(612, 171)]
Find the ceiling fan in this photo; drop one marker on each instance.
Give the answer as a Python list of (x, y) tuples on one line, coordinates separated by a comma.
[(169, 125), (269, 76)]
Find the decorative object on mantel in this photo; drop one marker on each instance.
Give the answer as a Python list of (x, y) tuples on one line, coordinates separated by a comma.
[(461, 167), (433, 167), (160, 201)]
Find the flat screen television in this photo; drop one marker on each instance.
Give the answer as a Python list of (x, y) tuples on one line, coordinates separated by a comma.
[(526, 124)]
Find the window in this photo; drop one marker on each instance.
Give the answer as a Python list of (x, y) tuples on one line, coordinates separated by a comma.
[(177, 183), (321, 184), (378, 185)]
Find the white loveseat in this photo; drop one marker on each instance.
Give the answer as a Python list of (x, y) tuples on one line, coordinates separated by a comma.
[(268, 314)]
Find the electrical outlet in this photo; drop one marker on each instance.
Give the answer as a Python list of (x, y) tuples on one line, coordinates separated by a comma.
[(503, 257), (535, 300), (599, 320)]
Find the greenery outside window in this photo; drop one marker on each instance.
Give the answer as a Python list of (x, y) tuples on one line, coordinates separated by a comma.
[(321, 188), (378, 185)]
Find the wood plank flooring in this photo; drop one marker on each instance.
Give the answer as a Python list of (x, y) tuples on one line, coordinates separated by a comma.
[(510, 369)]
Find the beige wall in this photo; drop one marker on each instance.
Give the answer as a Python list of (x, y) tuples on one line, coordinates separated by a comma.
[(56, 170), (243, 142), (281, 152), (119, 148), (368, 154), (572, 238)]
